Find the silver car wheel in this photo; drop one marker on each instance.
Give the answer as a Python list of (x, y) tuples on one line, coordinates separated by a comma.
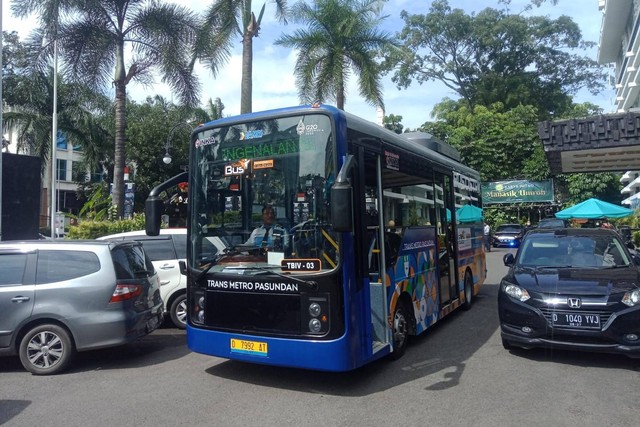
[(46, 349), (178, 312)]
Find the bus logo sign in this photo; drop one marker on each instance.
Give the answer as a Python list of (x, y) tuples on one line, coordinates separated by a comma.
[(237, 168), (251, 134)]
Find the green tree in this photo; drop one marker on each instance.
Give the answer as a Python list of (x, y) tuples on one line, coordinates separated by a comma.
[(582, 186), (342, 40), (392, 122), (151, 125), (493, 140), (109, 43), (224, 20), (496, 56)]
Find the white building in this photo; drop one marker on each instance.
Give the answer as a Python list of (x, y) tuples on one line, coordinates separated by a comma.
[(620, 45)]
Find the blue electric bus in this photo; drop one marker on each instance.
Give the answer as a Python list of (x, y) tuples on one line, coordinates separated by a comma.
[(364, 248)]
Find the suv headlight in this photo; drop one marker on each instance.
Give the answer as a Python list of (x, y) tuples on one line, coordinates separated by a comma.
[(515, 291), (632, 298)]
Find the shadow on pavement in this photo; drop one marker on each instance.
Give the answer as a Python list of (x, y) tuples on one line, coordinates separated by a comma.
[(441, 352)]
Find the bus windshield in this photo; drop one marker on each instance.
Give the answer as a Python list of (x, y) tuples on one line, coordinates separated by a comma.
[(261, 190)]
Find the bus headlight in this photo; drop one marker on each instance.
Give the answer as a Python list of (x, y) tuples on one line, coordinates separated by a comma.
[(197, 313), (315, 326), (315, 309)]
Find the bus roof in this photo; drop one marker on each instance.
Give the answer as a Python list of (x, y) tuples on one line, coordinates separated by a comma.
[(420, 143)]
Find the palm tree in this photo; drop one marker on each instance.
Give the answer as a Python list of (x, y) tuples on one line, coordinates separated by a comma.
[(28, 96), (97, 36), (341, 40), (223, 20)]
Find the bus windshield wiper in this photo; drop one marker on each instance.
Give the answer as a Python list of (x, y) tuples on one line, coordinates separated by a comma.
[(211, 262), (263, 270)]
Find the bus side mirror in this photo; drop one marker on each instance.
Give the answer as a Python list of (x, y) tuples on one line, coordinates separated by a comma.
[(152, 215), (154, 205), (342, 206)]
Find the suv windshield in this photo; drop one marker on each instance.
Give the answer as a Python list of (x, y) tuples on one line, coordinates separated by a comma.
[(261, 188), (553, 250), (509, 228)]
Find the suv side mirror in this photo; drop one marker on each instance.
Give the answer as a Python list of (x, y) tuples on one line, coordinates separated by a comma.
[(508, 259)]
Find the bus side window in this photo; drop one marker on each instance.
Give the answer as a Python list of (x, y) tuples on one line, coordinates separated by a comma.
[(392, 247)]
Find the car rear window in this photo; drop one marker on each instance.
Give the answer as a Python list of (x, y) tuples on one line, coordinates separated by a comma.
[(57, 266), (129, 261), (12, 268)]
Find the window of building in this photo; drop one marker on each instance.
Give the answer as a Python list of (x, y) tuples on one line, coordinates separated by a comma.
[(62, 170)]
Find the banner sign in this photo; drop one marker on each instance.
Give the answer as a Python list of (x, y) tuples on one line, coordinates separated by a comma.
[(517, 191)]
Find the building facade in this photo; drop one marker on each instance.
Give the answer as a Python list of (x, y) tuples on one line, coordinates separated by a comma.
[(620, 45)]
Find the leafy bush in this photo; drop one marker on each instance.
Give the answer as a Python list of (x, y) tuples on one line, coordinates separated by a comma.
[(93, 229)]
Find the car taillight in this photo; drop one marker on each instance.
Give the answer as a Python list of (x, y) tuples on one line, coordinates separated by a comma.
[(125, 292)]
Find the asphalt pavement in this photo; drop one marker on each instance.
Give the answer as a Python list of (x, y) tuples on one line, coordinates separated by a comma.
[(455, 374)]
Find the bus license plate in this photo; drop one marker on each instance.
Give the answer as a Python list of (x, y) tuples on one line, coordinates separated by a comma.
[(255, 348)]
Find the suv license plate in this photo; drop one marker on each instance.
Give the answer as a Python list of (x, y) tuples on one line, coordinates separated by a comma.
[(576, 320), (255, 348)]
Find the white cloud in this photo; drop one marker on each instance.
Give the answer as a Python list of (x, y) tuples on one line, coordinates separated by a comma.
[(274, 83)]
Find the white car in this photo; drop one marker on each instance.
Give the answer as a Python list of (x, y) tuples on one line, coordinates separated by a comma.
[(165, 252)]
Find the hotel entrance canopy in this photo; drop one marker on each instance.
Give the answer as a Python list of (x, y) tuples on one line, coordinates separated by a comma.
[(605, 143)]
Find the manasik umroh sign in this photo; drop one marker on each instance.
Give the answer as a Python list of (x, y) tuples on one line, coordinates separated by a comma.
[(517, 191)]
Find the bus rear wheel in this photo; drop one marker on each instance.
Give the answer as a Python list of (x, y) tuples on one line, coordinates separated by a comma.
[(400, 331), (468, 291)]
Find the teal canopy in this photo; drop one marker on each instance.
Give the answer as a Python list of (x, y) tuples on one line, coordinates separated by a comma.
[(594, 209), (469, 213)]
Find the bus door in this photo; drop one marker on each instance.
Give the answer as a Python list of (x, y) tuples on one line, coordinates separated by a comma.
[(446, 239), (372, 246)]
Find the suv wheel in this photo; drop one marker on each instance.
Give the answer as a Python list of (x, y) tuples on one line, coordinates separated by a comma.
[(46, 350), (178, 312)]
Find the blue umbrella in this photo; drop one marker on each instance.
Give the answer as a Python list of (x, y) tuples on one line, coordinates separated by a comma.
[(469, 213), (594, 209)]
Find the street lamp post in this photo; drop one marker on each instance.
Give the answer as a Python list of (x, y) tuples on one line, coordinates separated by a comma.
[(167, 157)]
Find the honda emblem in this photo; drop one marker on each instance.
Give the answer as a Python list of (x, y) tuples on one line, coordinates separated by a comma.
[(574, 302)]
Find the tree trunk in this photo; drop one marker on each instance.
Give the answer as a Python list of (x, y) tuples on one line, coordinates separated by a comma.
[(117, 195), (247, 73), (340, 95)]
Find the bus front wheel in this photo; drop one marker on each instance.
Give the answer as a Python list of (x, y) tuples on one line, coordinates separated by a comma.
[(400, 330)]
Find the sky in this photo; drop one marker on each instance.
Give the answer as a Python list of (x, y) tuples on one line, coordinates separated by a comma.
[(274, 82)]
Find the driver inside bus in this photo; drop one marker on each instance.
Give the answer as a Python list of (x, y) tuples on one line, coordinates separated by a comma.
[(269, 234)]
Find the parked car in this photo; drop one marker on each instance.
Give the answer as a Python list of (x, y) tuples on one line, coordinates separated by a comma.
[(571, 288), (509, 235), (59, 296), (553, 223), (166, 251)]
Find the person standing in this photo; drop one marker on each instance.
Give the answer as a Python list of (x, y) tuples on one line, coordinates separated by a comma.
[(487, 237)]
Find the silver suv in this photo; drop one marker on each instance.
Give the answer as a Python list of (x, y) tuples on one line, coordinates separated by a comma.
[(59, 297)]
